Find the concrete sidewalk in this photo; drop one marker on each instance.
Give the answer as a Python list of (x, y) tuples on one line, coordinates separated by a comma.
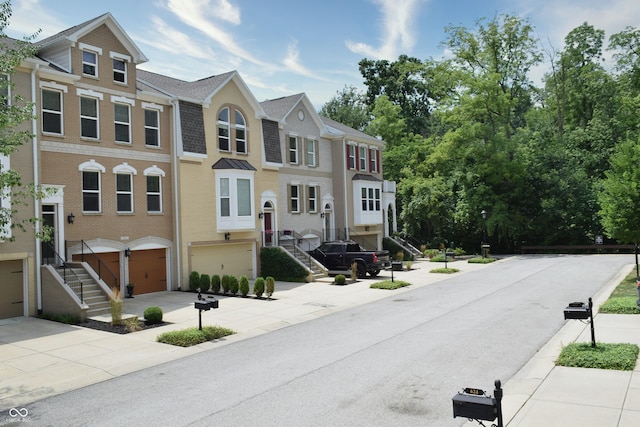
[(39, 358)]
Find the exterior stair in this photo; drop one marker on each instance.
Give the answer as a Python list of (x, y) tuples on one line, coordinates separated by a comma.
[(89, 291), (317, 270)]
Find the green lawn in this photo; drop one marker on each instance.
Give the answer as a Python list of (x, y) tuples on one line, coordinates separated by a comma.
[(623, 299)]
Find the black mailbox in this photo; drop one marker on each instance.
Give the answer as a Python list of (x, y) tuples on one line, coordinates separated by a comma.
[(213, 303), (396, 265), (475, 407), (202, 305), (577, 310)]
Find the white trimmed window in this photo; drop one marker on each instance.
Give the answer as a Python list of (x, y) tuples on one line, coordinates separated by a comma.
[(223, 130), (362, 157), (89, 63), (295, 194), (122, 113), (235, 189), (293, 149), (89, 117), (312, 193), (241, 133), (119, 71), (373, 160), (154, 177), (310, 148), (351, 156), (124, 193), (52, 111), (152, 127), (124, 187), (91, 186)]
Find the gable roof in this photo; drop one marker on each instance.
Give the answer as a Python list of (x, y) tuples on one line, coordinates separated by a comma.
[(71, 35), (281, 108), (199, 91), (339, 130)]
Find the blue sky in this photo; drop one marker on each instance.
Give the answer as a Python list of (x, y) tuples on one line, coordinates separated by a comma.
[(282, 47)]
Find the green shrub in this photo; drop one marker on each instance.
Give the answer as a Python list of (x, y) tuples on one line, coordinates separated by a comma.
[(388, 284), (271, 285), (153, 315), (205, 283), (430, 253), (394, 248), (225, 282), (274, 262), (244, 286), (233, 285), (194, 280), (340, 279), (480, 260), (620, 357), (258, 287), (459, 252), (193, 336), (215, 283), (132, 324)]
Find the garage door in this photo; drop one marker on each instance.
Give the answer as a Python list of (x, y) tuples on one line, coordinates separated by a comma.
[(148, 270), (12, 300), (232, 259), (109, 259)]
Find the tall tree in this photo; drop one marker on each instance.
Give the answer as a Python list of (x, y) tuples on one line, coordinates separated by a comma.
[(406, 83), (349, 108)]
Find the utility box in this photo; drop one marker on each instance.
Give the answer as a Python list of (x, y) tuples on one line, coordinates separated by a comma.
[(577, 310), (475, 407)]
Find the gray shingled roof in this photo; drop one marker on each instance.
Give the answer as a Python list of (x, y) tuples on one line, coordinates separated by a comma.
[(226, 163), (279, 108), (365, 177), (347, 130), (197, 90), (69, 31), (271, 134)]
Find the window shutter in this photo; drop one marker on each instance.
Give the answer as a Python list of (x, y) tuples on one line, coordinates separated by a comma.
[(378, 165), (289, 198), (347, 156), (357, 165)]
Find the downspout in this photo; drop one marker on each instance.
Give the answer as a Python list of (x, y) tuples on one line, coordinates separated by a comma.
[(36, 183), (344, 190), (176, 198)]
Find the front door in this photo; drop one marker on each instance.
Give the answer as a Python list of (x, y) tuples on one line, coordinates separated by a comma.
[(48, 248), (268, 230)]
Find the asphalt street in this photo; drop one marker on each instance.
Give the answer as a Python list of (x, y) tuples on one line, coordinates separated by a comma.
[(397, 361)]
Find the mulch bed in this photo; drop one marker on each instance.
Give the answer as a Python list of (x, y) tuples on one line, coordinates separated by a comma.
[(120, 329)]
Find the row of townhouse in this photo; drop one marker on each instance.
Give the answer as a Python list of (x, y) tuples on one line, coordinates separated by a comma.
[(159, 177)]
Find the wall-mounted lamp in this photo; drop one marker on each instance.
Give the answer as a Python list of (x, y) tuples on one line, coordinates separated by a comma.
[(227, 236), (127, 253), (70, 218), (260, 215), (321, 214)]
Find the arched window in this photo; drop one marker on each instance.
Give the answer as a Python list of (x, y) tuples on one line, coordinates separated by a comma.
[(223, 130), (232, 130), (241, 133)]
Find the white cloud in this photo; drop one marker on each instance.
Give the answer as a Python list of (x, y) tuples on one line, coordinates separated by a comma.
[(200, 14), (292, 62), (30, 16), (398, 17), (170, 40)]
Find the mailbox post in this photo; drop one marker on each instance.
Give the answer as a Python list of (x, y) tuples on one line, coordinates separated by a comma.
[(474, 404), (582, 311), (204, 305)]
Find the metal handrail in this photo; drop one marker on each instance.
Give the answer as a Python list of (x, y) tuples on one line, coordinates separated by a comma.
[(103, 271), (69, 276)]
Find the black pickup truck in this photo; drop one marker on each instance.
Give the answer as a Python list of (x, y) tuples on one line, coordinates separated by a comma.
[(339, 255)]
